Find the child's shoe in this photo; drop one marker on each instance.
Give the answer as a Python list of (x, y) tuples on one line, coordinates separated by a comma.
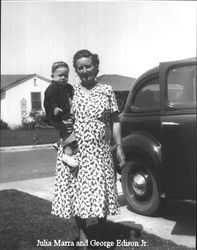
[(70, 160), (56, 146)]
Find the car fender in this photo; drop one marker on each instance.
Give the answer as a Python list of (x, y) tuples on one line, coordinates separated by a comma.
[(142, 145)]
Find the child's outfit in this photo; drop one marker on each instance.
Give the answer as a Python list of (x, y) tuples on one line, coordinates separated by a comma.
[(59, 95)]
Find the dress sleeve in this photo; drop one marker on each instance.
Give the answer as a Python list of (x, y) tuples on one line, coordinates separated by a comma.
[(113, 101)]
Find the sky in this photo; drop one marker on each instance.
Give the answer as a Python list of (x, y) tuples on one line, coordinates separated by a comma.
[(129, 37)]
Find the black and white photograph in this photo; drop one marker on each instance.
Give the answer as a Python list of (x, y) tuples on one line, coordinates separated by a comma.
[(98, 125)]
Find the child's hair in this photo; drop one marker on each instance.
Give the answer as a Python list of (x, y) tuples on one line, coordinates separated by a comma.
[(58, 64)]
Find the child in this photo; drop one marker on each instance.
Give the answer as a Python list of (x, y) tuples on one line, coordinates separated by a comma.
[(57, 103)]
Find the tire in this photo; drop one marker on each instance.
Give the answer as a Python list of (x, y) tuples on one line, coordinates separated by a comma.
[(140, 188)]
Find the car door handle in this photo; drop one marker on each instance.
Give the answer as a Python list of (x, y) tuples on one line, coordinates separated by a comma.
[(170, 127)]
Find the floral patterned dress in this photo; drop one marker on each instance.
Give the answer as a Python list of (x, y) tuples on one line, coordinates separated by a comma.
[(93, 192)]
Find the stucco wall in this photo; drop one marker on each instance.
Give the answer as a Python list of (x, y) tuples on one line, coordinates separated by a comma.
[(3, 105), (11, 108)]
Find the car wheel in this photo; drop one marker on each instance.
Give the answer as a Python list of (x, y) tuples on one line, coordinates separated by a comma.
[(140, 188)]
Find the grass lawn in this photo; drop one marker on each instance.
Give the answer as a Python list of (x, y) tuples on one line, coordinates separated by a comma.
[(25, 219), (25, 137)]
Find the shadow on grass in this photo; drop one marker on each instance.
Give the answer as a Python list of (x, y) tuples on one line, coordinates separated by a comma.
[(26, 219)]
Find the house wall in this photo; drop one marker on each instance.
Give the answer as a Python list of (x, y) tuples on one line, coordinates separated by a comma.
[(13, 108), (3, 105)]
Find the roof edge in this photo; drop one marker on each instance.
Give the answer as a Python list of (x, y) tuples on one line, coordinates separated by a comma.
[(23, 80)]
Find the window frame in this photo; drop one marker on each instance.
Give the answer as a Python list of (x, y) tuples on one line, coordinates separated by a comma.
[(140, 86), (178, 106)]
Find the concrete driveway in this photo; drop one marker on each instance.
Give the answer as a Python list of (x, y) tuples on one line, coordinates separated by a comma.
[(175, 221)]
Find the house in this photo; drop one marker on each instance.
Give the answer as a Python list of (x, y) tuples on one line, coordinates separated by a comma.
[(21, 94), (121, 86)]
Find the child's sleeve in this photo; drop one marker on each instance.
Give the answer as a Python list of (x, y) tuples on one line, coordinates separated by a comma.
[(70, 90), (49, 101)]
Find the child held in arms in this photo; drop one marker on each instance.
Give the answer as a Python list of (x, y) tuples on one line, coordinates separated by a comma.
[(58, 107)]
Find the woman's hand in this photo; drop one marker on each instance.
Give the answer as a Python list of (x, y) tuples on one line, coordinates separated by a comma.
[(120, 156)]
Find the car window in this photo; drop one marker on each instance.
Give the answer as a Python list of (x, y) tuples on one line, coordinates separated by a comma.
[(147, 97), (181, 86)]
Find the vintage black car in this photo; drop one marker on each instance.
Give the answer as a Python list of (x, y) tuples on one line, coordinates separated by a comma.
[(159, 136)]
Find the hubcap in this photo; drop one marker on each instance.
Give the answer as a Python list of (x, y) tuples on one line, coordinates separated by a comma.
[(141, 185)]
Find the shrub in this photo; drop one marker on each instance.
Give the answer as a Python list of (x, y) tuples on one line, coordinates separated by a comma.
[(36, 120), (27, 125), (3, 125)]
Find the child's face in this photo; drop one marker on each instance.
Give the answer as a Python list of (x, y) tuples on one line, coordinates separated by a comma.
[(61, 75)]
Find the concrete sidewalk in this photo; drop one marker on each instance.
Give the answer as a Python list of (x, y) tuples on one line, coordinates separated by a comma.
[(40, 187)]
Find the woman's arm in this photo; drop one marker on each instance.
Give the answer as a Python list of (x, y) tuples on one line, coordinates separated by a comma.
[(117, 139), (117, 133), (116, 128)]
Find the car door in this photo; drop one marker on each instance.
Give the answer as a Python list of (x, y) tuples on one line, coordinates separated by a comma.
[(178, 126)]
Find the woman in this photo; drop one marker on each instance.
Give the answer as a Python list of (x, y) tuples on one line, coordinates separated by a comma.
[(93, 192)]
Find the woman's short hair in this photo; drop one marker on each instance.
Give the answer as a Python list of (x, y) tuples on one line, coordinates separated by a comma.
[(85, 53), (57, 65)]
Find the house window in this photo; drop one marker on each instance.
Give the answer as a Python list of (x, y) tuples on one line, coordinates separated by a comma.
[(36, 100)]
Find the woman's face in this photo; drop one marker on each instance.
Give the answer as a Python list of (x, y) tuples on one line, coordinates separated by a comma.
[(86, 70)]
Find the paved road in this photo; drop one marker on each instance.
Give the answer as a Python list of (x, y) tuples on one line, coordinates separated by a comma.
[(28, 164), (176, 220)]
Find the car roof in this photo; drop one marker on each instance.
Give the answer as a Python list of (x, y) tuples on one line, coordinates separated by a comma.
[(151, 71), (155, 70)]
